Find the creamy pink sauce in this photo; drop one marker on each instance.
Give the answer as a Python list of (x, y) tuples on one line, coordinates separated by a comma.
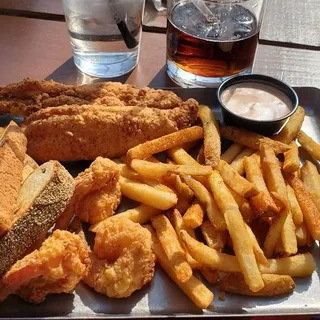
[(256, 101)]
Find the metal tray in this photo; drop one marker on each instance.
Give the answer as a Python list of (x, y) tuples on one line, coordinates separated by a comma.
[(162, 298)]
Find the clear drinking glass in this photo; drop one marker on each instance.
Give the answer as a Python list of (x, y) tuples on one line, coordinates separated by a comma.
[(203, 50), (105, 35)]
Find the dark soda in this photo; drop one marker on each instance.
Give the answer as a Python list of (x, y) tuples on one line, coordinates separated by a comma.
[(223, 47)]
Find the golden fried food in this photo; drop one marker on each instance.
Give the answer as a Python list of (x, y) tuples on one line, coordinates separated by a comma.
[(68, 133), (212, 141), (310, 145), (311, 214), (97, 193), (122, 261), (58, 266), (292, 127), (274, 285), (251, 139), (28, 96)]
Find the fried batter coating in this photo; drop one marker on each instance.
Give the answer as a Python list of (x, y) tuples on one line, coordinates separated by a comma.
[(122, 261), (69, 133), (97, 193), (100, 204), (28, 96), (56, 267)]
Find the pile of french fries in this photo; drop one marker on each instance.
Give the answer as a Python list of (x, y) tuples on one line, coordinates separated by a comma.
[(238, 218)]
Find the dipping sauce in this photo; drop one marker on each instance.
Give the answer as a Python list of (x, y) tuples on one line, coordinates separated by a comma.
[(256, 101)]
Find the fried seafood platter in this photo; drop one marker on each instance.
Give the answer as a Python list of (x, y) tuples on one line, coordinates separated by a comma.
[(220, 223)]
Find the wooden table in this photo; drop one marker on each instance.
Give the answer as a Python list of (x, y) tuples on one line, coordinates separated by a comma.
[(34, 43)]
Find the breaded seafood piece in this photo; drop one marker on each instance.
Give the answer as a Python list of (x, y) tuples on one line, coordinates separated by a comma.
[(71, 133), (28, 96), (97, 193), (122, 261), (58, 266)]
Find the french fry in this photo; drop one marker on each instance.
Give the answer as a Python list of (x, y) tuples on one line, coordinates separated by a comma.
[(274, 233), (211, 142), (205, 198), (311, 180), (307, 143), (292, 127), (130, 174), (288, 240), (174, 181), (261, 258), (194, 216), (311, 214), (263, 202), (300, 265), (178, 224), (274, 285), (172, 247), (183, 188), (302, 234), (238, 164), (193, 288), (251, 139), (272, 174), (294, 206), (145, 150), (230, 154), (150, 196), (181, 157), (183, 204), (212, 276), (239, 184), (243, 248), (140, 214), (215, 239), (247, 213), (216, 260), (291, 159), (221, 193), (159, 170)]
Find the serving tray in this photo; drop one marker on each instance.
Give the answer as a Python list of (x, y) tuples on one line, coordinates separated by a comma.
[(162, 298)]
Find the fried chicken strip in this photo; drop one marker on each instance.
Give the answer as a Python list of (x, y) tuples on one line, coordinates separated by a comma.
[(71, 133), (28, 96)]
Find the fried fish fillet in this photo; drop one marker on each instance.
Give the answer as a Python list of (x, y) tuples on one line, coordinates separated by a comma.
[(28, 96), (69, 133)]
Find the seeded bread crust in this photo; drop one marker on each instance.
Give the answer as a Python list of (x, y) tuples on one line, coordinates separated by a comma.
[(39, 217)]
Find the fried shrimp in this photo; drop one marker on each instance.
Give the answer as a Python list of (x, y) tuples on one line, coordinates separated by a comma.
[(96, 196), (122, 261), (58, 266)]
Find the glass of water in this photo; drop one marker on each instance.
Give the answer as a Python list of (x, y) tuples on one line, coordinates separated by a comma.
[(105, 35)]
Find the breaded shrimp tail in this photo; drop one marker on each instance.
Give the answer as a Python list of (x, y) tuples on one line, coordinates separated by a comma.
[(85, 132)]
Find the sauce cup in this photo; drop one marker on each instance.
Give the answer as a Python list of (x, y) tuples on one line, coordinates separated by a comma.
[(277, 100)]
